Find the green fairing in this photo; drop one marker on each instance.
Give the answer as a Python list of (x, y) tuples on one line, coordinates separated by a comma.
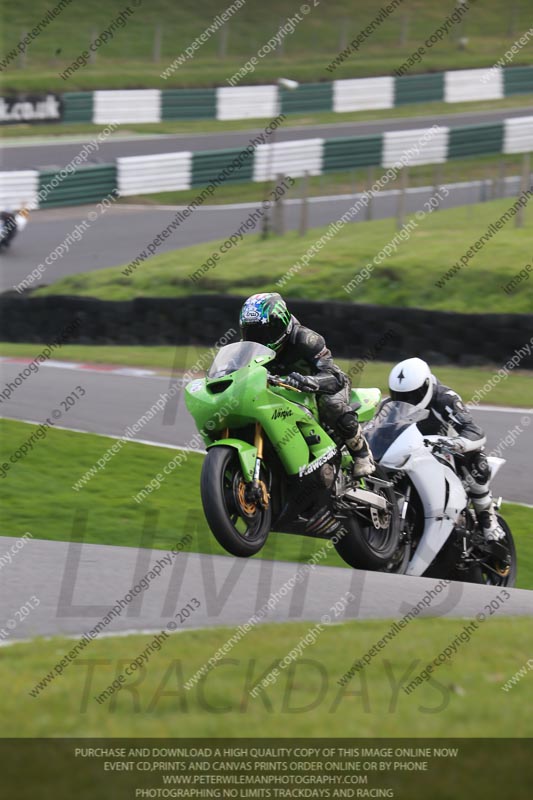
[(247, 454), (286, 416), (369, 399)]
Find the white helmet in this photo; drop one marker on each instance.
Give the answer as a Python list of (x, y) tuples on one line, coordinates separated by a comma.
[(411, 381)]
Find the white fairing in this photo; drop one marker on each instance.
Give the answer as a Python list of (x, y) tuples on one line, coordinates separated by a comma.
[(441, 492), (495, 464)]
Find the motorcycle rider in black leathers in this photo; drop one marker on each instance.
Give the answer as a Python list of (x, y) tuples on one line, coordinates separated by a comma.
[(302, 355), (411, 381), (8, 228)]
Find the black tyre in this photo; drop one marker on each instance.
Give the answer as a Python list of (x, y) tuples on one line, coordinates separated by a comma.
[(366, 546), (240, 527), (400, 559), (492, 571)]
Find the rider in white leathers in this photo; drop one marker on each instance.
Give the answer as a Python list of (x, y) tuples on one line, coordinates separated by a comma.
[(411, 381)]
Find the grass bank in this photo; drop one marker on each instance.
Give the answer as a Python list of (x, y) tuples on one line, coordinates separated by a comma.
[(462, 699), (157, 32), (407, 278)]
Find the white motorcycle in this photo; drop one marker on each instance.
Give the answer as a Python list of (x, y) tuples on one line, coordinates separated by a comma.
[(440, 536)]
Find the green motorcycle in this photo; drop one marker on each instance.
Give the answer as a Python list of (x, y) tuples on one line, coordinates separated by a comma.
[(271, 465)]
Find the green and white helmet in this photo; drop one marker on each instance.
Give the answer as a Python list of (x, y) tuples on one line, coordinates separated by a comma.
[(265, 319)]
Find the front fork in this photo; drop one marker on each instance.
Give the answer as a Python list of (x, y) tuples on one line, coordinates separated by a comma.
[(256, 490), (405, 506), (258, 444)]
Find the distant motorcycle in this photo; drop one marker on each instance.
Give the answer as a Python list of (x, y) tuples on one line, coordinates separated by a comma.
[(10, 225), (439, 535)]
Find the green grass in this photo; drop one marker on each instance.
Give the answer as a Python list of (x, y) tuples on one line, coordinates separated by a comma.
[(113, 517), (55, 511), (406, 279), (127, 60), (516, 391), (201, 126), (464, 699)]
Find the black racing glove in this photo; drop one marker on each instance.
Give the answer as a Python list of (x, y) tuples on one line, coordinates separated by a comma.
[(306, 383)]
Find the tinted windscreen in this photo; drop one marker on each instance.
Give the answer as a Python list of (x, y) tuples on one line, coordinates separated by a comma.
[(390, 421), (234, 356)]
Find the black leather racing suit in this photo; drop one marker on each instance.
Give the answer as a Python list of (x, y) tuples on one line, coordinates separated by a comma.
[(448, 416), (305, 351), (9, 227)]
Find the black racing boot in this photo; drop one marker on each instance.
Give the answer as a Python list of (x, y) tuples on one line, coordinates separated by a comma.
[(488, 522)]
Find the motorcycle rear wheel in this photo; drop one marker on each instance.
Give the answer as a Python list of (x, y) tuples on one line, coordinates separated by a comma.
[(368, 547)]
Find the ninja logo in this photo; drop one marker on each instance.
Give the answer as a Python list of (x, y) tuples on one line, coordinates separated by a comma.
[(281, 413)]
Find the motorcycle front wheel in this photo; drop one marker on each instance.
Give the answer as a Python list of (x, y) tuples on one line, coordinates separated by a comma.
[(495, 568), (240, 526)]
